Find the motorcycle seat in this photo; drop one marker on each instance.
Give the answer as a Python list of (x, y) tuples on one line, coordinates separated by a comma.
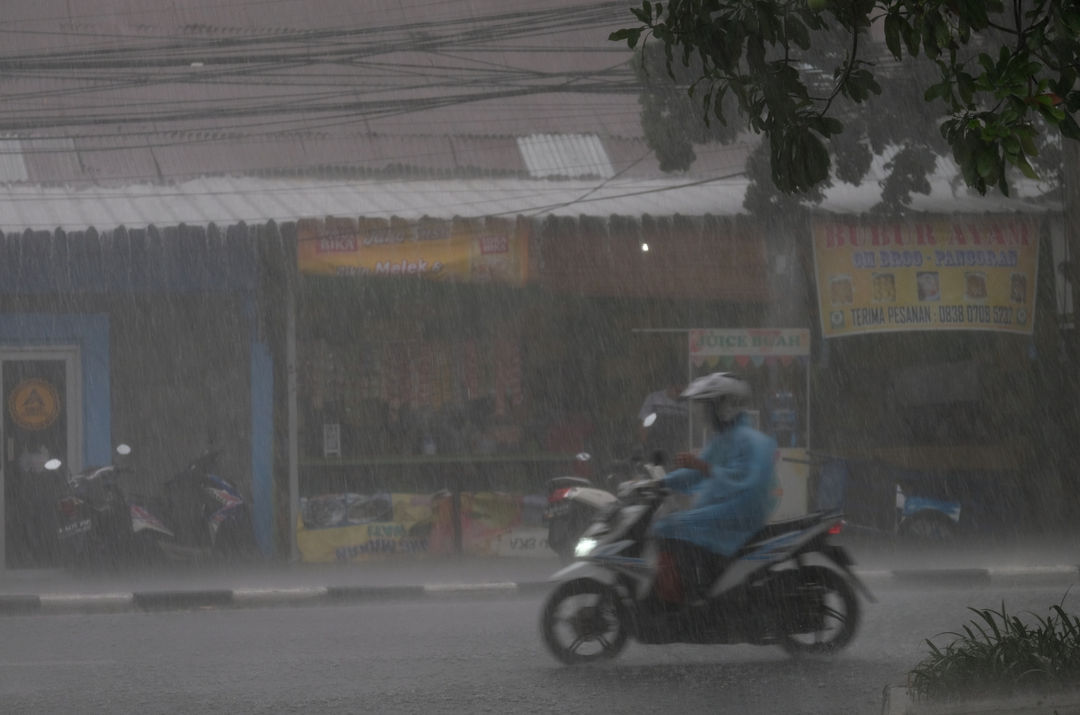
[(564, 482), (783, 527)]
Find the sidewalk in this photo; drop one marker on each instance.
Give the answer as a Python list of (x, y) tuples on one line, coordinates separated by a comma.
[(276, 583)]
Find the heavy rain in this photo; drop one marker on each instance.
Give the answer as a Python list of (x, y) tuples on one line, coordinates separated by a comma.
[(550, 356)]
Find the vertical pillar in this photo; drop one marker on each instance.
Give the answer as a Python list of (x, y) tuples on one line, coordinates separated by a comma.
[(262, 439), (291, 397)]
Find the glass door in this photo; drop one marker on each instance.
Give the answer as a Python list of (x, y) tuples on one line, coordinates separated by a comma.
[(39, 389)]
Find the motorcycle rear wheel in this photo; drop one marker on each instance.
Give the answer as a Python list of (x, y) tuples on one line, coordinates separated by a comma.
[(235, 539), (821, 616), (581, 622)]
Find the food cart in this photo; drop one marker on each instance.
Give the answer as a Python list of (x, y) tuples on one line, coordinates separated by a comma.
[(776, 362)]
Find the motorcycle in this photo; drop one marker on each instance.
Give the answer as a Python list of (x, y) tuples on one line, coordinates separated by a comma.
[(98, 524), (206, 514), (882, 498), (790, 585), (574, 502)]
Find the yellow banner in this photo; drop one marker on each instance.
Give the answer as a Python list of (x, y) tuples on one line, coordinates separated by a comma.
[(340, 528), (343, 528), (489, 251), (926, 275)]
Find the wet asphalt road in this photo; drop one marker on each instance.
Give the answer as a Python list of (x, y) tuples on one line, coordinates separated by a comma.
[(456, 654)]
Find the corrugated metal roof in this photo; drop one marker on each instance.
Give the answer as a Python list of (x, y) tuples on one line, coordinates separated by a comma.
[(565, 156), (12, 164), (225, 201), (192, 88)]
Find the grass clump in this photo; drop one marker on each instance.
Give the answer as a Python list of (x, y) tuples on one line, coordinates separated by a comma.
[(999, 654)]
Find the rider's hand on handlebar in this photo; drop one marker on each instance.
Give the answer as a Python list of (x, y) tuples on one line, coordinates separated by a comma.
[(689, 460)]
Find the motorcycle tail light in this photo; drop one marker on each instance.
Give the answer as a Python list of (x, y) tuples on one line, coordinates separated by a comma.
[(558, 495), (69, 506), (836, 528)]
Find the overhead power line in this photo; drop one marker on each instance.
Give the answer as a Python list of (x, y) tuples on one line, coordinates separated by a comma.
[(360, 63)]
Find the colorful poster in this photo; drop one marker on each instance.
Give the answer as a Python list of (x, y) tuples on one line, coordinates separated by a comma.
[(487, 518), (491, 252), (976, 274), (343, 528)]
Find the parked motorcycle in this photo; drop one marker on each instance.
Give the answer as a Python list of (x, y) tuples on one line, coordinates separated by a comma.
[(206, 514), (790, 586), (98, 525), (575, 502), (882, 498)]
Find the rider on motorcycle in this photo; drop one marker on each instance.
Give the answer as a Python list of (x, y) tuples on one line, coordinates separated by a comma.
[(733, 485)]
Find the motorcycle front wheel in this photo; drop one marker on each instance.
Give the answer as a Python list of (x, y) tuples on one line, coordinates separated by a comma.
[(581, 622), (562, 540), (821, 616)]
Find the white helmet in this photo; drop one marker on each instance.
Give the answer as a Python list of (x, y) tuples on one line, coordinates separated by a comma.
[(723, 392)]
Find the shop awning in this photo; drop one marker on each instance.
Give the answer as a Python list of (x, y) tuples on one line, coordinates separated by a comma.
[(230, 200)]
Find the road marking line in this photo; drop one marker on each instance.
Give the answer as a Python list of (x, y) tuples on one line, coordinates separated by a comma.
[(1035, 570), (287, 594), (86, 600), (52, 663), (453, 587)]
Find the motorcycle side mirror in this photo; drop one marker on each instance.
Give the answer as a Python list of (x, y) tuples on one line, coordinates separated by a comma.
[(53, 464), (649, 420), (123, 450)]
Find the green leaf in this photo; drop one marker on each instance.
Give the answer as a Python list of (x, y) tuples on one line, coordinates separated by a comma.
[(965, 85), (912, 38), (755, 54), (1054, 115), (892, 35), (1027, 143), (796, 32), (986, 163), (827, 126), (630, 34), (1024, 167), (929, 36)]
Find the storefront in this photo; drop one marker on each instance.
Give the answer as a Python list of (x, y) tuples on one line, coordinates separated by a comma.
[(141, 337), (939, 353), (476, 359)]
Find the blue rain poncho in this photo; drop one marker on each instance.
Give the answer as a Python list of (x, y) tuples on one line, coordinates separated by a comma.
[(732, 501)]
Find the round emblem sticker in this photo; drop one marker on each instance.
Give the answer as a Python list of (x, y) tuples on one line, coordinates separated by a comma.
[(34, 404)]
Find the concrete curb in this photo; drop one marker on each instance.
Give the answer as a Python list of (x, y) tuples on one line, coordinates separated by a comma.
[(60, 603), (178, 600), (952, 577), (899, 700)]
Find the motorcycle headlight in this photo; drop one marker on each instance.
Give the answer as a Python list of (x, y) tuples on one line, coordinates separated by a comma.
[(584, 547)]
